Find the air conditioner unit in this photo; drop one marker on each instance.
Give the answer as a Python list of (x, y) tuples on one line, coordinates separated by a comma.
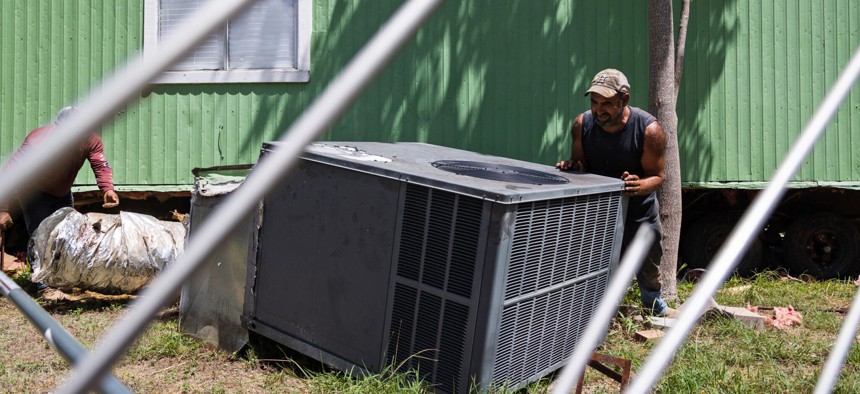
[(478, 271)]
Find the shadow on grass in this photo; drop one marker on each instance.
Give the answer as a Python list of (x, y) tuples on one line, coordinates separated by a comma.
[(271, 354)]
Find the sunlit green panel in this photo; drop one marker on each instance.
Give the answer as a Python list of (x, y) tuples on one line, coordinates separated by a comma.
[(774, 61), (503, 78)]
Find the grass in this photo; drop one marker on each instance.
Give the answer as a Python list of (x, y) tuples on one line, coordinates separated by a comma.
[(723, 355), (720, 355), (384, 382)]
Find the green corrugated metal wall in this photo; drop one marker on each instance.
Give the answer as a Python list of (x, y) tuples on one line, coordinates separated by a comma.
[(754, 74), (503, 78)]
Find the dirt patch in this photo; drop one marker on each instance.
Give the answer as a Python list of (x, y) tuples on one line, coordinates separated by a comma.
[(162, 360)]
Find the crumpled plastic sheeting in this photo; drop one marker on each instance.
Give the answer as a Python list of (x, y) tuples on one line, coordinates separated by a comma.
[(111, 254)]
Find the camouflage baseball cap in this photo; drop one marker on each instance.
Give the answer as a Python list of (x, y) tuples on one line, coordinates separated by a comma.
[(608, 83)]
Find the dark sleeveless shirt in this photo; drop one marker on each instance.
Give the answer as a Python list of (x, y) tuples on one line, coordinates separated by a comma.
[(611, 154)]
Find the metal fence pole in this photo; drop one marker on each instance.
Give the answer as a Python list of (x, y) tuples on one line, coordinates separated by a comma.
[(633, 257), (324, 111), (840, 348), (739, 240), (53, 332), (99, 106)]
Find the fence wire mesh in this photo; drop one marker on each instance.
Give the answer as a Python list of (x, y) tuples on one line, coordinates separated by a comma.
[(91, 369)]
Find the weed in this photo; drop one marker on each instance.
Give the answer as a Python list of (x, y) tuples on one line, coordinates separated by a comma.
[(77, 312), (626, 324), (632, 296), (164, 340), (22, 278), (250, 358), (383, 382)]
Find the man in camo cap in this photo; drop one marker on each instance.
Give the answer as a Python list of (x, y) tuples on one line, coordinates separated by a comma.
[(617, 140)]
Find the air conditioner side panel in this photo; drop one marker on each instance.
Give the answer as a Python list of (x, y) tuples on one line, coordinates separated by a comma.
[(326, 240), (553, 261)]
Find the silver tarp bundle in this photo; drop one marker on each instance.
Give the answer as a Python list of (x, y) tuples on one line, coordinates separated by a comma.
[(105, 253)]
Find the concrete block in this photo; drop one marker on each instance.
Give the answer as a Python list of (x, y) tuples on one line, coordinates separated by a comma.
[(750, 319)]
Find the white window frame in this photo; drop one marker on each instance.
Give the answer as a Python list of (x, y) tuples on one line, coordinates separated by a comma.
[(301, 73)]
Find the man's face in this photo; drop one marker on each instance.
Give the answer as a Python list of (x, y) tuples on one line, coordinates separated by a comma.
[(607, 111)]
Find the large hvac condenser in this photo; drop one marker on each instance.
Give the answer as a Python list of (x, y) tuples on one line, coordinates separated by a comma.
[(477, 271)]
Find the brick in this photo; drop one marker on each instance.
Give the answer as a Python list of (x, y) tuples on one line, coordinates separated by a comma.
[(649, 335)]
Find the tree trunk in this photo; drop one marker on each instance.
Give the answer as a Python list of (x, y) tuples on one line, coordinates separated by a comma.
[(661, 103), (682, 44)]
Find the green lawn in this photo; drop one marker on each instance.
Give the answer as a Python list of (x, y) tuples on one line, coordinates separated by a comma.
[(721, 355)]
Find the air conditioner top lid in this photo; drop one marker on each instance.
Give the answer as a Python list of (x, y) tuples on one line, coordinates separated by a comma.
[(414, 162)]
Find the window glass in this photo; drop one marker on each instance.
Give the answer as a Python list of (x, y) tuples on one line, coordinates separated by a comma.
[(264, 37), (209, 55), (269, 42)]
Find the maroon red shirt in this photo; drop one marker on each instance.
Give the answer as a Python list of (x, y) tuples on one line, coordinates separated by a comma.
[(57, 180)]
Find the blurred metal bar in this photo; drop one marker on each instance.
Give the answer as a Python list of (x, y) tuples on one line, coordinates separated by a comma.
[(739, 240), (54, 333), (324, 111), (840, 348), (621, 279), (100, 105)]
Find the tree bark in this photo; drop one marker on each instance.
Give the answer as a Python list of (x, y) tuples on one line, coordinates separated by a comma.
[(682, 45), (661, 103)]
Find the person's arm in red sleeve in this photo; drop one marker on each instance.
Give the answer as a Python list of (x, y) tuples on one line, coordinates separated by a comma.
[(102, 170), (5, 217)]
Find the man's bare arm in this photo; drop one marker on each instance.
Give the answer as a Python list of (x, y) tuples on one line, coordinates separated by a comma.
[(653, 164), (577, 155)]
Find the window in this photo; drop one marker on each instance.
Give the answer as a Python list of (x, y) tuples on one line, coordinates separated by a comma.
[(269, 42)]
